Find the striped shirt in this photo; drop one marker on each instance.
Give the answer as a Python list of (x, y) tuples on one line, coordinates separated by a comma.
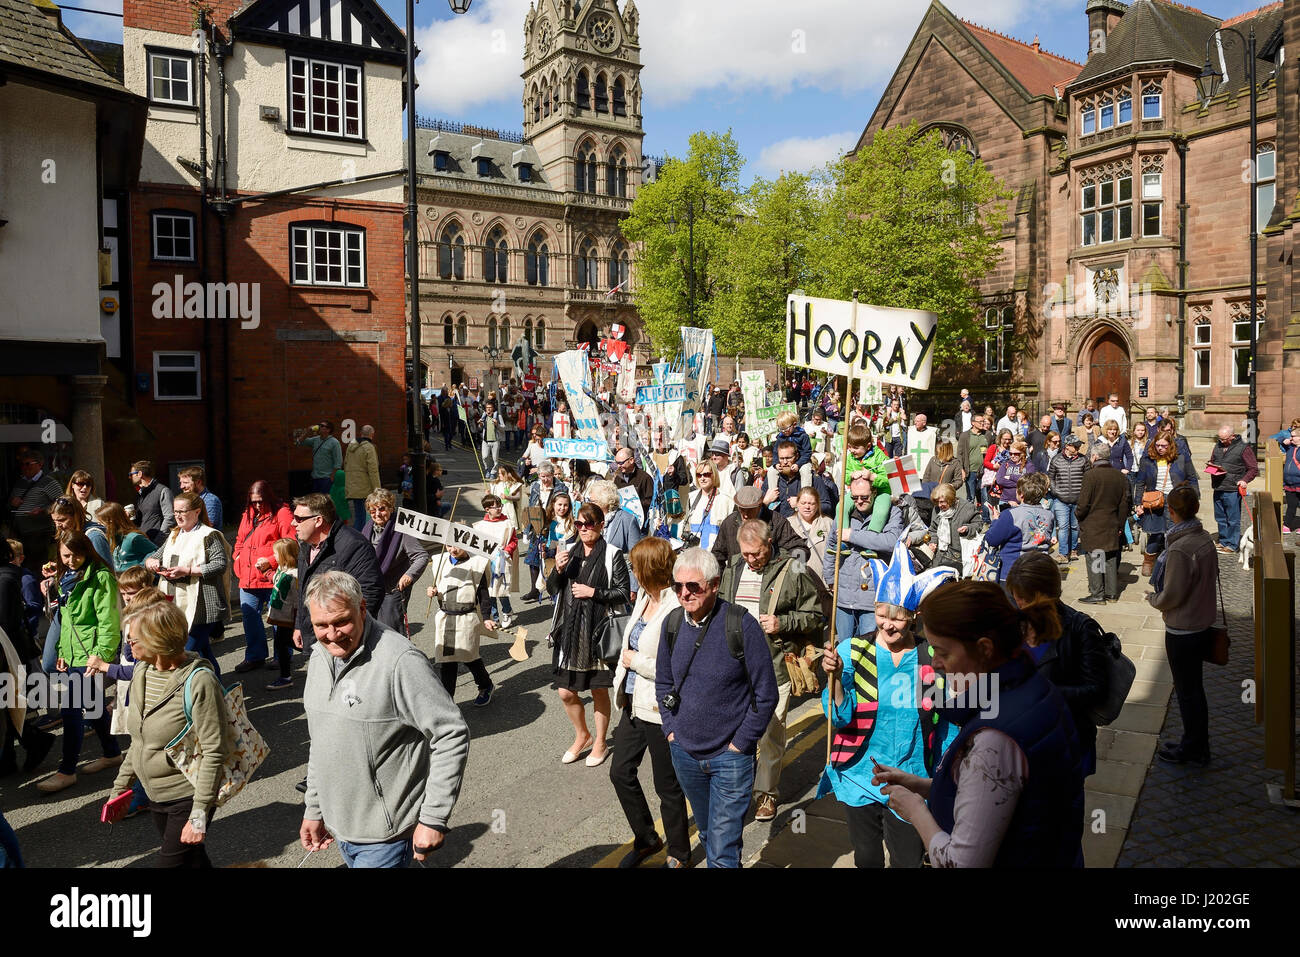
[(155, 682), (37, 493), (749, 591)]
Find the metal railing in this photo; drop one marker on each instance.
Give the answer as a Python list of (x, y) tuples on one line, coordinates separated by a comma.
[(449, 126)]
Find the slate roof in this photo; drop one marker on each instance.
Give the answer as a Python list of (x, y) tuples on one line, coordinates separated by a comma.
[(35, 41), (1158, 31), (463, 148), (1037, 70), (108, 54)]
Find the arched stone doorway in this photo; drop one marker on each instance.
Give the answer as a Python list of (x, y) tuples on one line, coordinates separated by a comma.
[(1110, 368), (588, 332)]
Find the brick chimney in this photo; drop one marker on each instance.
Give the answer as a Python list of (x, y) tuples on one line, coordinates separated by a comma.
[(1102, 17)]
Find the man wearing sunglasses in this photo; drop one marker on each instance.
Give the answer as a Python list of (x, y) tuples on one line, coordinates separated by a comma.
[(325, 544), (714, 704), (781, 594)]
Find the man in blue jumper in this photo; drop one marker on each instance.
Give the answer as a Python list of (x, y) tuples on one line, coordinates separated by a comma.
[(723, 705)]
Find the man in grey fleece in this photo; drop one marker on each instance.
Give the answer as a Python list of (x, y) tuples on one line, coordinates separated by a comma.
[(388, 746)]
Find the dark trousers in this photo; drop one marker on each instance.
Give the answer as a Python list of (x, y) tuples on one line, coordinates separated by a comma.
[(448, 670), (200, 641), (1292, 517), (322, 485), (872, 827), (1103, 574), (392, 611), (74, 729), (1186, 654), (170, 819), (632, 738), (284, 648)]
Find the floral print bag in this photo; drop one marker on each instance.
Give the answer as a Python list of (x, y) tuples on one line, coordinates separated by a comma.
[(249, 751)]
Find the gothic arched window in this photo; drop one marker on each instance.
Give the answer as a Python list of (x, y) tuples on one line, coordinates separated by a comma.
[(583, 96), (451, 252), (462, 331), (492, 332), (588, 264), (602, 94), (585, 178), (620, 98), (537, 261), (619, 267), (447, 334), (496, 257), (616, 174)]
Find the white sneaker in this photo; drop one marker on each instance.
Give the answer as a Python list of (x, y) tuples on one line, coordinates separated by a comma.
[(507, 621)]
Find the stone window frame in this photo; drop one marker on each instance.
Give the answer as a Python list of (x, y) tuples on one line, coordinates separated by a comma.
[(1238, 316), (1265, 186), (1203, 356), (1094, 178), (1153, 86), (537, 259), (1093, 103), (1153, 164), (1000, 324)]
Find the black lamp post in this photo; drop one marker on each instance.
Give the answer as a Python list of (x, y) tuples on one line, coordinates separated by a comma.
[(416, 436), (690, 239), (1205, 87), (492, 354)]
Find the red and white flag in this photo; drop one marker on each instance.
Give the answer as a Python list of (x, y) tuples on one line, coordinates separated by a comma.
[(903, 476)]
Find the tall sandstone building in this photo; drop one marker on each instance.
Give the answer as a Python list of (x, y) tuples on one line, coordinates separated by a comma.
[(1126, 263)]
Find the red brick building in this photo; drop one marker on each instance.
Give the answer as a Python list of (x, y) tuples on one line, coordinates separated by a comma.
[(1120, 178), (266, 232)]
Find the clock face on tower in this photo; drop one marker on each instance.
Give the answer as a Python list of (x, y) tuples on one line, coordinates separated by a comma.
[(602, 32), (544, 38)]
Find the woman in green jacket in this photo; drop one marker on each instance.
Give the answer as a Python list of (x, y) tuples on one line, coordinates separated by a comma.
[(89, 625), (156, 716)]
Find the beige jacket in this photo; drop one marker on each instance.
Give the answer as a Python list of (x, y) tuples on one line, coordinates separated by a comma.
[(644, 705), (361, 470)]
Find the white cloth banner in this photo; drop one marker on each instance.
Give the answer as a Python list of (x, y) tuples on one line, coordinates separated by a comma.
[(892, 345), (593, 450), (697, 353), (630, 502), (921, 445), (575, 375), (753, 386), (903, 476), (427, 528), (627, 377)]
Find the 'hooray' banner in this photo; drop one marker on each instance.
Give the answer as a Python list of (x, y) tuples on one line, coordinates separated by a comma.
[(891, 345)]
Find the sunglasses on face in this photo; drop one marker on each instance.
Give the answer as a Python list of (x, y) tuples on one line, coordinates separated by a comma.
[(690, 588), (303, 518), (861, 498), (581, 524), (81, 485)]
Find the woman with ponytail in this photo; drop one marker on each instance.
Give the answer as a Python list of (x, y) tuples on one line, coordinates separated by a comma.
[(192, 564), (1008, 792)]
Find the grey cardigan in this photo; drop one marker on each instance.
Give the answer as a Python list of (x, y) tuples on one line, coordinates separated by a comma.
[(387, 744), (1189, 599)]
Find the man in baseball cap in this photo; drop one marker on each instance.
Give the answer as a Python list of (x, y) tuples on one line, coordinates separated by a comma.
[(749, 505)]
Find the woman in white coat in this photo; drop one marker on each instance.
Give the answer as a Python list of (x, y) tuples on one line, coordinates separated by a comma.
[(708, 506), (641, 728)]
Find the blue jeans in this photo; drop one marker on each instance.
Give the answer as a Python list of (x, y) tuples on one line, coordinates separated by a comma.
[(391, 854), (504, 603), (322, 485), (252, 602), (200, 640), (851, 622), (1067, 526), (358, 506), (719, 789), (973, 486), (50, 653), (74, 729), (1227, 513)]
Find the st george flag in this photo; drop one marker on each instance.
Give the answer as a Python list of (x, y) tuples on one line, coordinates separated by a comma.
[(903, 477)]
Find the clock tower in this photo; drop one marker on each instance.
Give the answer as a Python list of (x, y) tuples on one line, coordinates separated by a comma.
[(582, 94)]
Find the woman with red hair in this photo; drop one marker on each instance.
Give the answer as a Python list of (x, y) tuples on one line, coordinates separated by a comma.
[(264, 521)]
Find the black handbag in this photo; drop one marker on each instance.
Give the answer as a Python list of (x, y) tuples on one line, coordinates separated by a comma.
[(607, 643)]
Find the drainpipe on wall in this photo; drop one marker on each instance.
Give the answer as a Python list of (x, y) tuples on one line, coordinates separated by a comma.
[(222, 51), (208, 407), (1180, 143)]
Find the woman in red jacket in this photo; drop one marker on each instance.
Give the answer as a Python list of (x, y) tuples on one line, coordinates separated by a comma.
[(265, 520)]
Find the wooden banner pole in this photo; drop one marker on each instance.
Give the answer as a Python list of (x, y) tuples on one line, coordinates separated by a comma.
[(451, 518)]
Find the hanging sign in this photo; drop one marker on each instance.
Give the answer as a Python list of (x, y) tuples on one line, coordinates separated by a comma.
[(427, 528)]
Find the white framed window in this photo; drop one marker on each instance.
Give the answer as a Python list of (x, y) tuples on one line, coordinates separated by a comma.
[(1107, 210), (172, 236), (1152, 102), (1201, 349), (1265, 186), (176, 376), (1107, 115), (1088, 125), (1241, 350), (1152, 205), (328, 255), (325, 98), (171, 77), (1000, 326), (1125, 110)]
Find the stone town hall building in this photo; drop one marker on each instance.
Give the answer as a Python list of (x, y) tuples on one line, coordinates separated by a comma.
[(519, 232), (1120, 178)]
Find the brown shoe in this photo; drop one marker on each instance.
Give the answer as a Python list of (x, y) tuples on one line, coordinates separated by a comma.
[(766, 808), (1148, 564), (1060, 559), (56, 782), (101, 764)]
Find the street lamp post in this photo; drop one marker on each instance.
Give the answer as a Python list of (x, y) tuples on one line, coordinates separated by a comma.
[(416, 436), (1205, 87), (491, 354)]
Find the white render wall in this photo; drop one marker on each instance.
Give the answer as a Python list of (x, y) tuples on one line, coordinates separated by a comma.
[(49, 262), (263, 157)]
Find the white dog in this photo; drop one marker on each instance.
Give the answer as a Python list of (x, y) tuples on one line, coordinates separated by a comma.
[(1246, 551)]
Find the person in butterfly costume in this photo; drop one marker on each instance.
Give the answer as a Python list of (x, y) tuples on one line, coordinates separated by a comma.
[(881, 699)]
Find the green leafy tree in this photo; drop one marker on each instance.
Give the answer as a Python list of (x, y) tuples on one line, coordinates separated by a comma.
[(767, 259), (912, 225), (683, 222)]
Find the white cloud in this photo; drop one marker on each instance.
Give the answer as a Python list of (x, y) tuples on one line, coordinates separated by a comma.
[(801, 154), (690, 46)]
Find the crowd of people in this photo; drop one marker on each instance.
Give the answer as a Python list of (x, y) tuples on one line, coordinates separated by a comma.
[(692, 580)]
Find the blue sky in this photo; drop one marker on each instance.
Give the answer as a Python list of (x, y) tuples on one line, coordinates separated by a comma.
[(796, 80)]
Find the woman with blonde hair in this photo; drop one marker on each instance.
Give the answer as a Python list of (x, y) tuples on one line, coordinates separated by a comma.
[(642, 727), (166, 680), (708, 505), (510, 489), (192, 566), (130, 545), (943, 468), (812, 526), (81, 488)]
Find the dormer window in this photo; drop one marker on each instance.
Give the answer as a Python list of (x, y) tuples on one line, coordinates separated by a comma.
[(441, 155), (440, 162), (519, 160), (482, 161), (484, 166)]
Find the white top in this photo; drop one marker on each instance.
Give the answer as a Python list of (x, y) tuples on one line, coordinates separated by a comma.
[(1117, 413), (749, 590)]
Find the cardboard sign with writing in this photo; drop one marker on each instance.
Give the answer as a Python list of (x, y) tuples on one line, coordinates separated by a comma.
[(895, 346), (427, 528), (593, 450), (661, 394)]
